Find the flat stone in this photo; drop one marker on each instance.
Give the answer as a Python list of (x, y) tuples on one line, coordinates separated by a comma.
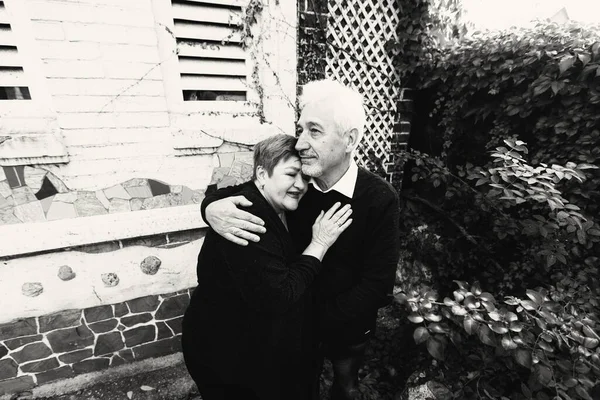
[(54, 375), (70, 339), (142, 334), (198, 196), (108, 343), (2, 174), (34, 177), (40, 366), (8, 369), (172, 307), (158, 349), (57, 182), (143, 304), (102, 198), (116, 361), (32, 289), (6, 202), (120, 309), (96, 364), (23, 195), (163, 331), (60, 210), (5, 189), (226, 159), (175, 199), (69, 197), (46, 203), (175, 324), (126, 355), (186, 195), (136, 319), (151, 203), (141, 192), (86, 195), (147, 241), (99, 313), (218, 174), (110, 279), (30, 212), (8, 217), (65, 273), (16, 385), (227, 181), (18, 328), (117, 192), (87, 207), (59, 320), (135, 182), (33, 351), (136, 204), (3, 351), (16, 343), (104, 326), (119, 205), (157, 187), (76, 356), (176, 188), (150, 265)]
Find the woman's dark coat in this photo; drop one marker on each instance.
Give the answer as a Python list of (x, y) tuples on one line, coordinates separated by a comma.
[(247, 320)]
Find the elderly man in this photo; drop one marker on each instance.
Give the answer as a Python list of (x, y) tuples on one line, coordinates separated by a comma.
[(359, 270)]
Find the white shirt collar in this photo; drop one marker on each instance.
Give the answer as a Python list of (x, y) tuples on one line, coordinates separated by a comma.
[(346, 184)]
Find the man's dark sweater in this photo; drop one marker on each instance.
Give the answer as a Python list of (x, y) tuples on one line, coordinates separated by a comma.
[(359, 269)]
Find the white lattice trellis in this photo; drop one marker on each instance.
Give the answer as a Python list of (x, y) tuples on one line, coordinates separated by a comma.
[(357, 32)]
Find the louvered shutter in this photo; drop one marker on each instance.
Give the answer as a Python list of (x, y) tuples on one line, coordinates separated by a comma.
[(212, 61), (12, 78)]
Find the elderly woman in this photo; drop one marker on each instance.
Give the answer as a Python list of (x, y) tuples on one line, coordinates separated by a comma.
[(245, 331)]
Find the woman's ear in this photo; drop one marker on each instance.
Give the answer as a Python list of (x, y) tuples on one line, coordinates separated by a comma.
[(261, 176)]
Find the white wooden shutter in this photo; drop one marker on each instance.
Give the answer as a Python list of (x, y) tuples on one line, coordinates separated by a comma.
[(212, 61), (12, 78)]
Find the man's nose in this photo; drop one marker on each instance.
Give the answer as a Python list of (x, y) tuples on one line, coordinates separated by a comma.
[(301, 144)]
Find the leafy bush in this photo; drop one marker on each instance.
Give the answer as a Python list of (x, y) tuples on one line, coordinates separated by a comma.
[(503, 189)]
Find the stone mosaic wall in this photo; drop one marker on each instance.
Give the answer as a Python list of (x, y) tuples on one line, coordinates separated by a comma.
[(38, 350), (30, 194)]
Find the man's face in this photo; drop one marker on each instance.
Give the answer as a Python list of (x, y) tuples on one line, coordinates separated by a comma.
[(320, 144)]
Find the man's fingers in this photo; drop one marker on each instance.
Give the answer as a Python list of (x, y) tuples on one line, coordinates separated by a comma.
[(248, 218), (246, 236), (235, 239)]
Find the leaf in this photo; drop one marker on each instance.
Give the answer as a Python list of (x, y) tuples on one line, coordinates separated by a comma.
[(436, 346), (459, 311), (566, 63), (421, 334), (415, 318), (129, 395), (526, 391), (590, 343), (146, 388), (470, 325), (433, 317), (486, 336), (487, 297), (523, 357), (528, 305), (589, 332), (543, 374), (583, 393), (508, 343), (535, 296), (498, 328)]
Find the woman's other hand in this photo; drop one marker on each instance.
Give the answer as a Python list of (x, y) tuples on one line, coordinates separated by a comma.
[(329, 225)]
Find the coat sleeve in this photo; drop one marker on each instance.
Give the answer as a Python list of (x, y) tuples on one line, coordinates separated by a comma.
[(381, 254), (265, 280)]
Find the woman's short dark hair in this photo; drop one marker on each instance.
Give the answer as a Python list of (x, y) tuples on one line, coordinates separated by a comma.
[(270, 151)]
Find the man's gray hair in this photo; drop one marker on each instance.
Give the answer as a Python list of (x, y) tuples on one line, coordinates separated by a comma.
[(346, 103)]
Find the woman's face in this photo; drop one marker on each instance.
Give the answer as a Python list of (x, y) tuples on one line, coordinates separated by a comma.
[(286, 185)]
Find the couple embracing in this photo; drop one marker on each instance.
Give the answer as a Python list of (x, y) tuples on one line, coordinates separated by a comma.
[(295, 264)]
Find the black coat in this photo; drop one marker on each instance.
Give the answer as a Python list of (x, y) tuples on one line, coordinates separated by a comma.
[(247, 317)]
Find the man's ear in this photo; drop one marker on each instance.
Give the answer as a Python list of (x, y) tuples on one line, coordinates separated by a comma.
[(351, 139)]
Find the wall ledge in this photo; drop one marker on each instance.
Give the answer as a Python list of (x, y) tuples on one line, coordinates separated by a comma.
[(37, 237)]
